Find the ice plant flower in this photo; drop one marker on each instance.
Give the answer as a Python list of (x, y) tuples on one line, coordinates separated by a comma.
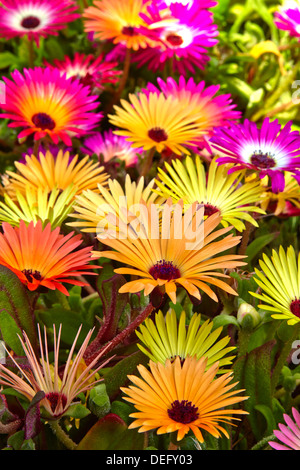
[(35, 18), (42, 257), (108, 146), (48, 172), (287, 17), (117, 21), (164, 247), (90, 71), (284, 203), (289, 434), (60, 390), (40, 204), (168, 338), (175, 397), (46, 103), (268, 150), (279, 280), (92, 208), (217, 190), (183, 37)]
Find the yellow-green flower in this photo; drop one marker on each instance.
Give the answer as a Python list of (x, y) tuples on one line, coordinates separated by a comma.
[(217, 190), (38, 204), (280, 284), (168, 338)]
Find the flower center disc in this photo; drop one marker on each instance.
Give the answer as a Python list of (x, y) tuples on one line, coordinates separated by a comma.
[(174, 40), (295, 307), (56, 398), (129, 31), (157, 134), (183, 412), (30, 275), (262, 160), (43, 121), (30, 22), (210, 210), (164, 270)]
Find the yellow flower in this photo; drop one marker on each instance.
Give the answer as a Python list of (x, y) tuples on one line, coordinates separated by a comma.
[(278, 202)]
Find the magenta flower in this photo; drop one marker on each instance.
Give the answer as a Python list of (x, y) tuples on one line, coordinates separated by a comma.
[(269, 150), (109, 146), (287, 18), (182, 35), (35, 18), (91, 71), (289, 435), (44, 102)]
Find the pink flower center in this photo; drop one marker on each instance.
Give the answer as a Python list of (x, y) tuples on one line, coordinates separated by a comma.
[(164, 270), (56, 398), (32, 275), (129, 31), (183, 412), (30, 22), (43, 121), (262, 160), (210, 210), (157, 134), (174, 40), (295, 307)]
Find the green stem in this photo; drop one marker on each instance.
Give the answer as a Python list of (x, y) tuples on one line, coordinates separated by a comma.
[(147, 162), (263, 443), (61, 435), (62, 299), (124, 78), (31, 53), (245, 238)]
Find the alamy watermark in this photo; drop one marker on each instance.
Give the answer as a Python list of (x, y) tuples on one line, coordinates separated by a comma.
[(295, 358)]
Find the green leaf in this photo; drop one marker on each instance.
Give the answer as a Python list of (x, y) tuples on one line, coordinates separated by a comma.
[(267, 412), (77, 411), (7, 59), (99, 402), (255, 247)]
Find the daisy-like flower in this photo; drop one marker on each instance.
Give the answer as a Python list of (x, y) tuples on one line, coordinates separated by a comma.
[(48, 172), (269, 150), (182, 37), (216, 190), (175, 120), (168, 338), (173, 397), (60, 390), (279, 281), (90, 71), (108, 146), (164, 247), (35, 18), (117, 21), (287, 17), (289, 434), (285, 203), (40, 204), (46, 103), (92, 208), (42, 257)]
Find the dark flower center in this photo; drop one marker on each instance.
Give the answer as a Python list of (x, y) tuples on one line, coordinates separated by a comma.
[(129, 31), (157, 134), (174, 39), (30, 22), (262, 160), (43, 121), (164, 270), (210, 210), (295, 307), (30, 275), (56, 398), (183, 412)]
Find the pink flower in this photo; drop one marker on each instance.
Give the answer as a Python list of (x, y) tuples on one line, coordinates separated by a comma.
[(288, 435), (287, 18)]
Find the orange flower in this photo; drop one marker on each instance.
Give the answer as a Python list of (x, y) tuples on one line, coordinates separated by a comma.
[(41, 257)]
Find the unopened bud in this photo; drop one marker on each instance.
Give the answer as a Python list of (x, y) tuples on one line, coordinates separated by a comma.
[(247, 315), (99, 402)]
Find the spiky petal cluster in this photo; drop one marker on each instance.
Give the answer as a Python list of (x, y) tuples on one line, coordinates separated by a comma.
[(268, 150), (289, 433), (287, 17), (35, 18), (45, 103)]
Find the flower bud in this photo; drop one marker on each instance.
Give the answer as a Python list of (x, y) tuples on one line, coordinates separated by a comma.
[(99, 402), (247, 315)]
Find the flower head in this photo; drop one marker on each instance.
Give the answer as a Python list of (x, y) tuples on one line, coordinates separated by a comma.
[(108, 146), (41, 257), (90, 71), (59, 390), (117, 21), (168, 338), (216, 190), (269, 150), (48, 172), (284, 203), (287, 17), (182, 36), (289, 435), (46, 103), (280, 284), (164, 247), (173, 397), (35, 18)]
